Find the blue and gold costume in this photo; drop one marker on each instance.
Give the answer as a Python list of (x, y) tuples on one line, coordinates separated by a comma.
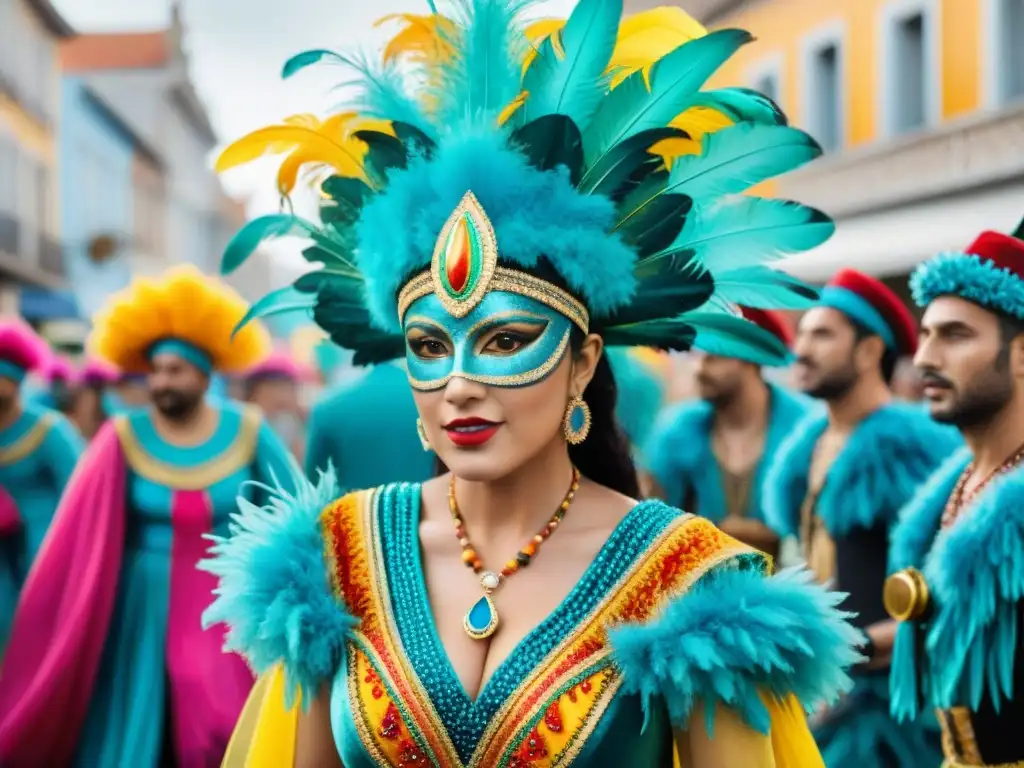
[(522, 186), (958, 585)]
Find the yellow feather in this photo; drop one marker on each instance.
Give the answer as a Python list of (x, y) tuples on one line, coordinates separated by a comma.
[(513, 105), (323, 148), (648, 36), (425, 39), (696, 121), (539, 31)]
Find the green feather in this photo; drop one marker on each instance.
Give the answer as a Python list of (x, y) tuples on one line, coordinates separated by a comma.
[(666, 293), (277, 302), (763, 288), (742, 105), (667, 333), (650, 220), (633, 108), (417, 143), (253, 233), (574, 85), (300, 61), (552, 141), (385, 153), (745, 231), (736, 158), (613, 170), (733, 336)]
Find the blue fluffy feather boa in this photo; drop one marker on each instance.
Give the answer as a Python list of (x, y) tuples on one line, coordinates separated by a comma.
[(975, 575), (884, 461)]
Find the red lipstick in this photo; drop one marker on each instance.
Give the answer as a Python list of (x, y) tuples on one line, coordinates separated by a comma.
[(470, 432)]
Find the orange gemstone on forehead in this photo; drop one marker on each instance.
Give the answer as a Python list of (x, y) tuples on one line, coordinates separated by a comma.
[(458, 255)]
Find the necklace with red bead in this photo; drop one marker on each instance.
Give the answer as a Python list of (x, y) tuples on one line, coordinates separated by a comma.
[(481, 621), (957, 501)]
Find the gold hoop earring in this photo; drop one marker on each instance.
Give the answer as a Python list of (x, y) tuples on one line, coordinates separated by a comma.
[(422, 434), (576, 422)]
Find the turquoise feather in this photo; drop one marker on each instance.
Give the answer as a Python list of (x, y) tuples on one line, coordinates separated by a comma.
[(632, 107), (741, 105), (382, 94), (762, 288), (746, 231), (300, 61), (278, 302), (738, 157), (734, 336), (575, 85), (484, 74), (259, 230)]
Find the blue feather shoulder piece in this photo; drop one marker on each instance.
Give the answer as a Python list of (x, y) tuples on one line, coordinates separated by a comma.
[(882, 465), (975, 574), (738, 635), (275, 594)]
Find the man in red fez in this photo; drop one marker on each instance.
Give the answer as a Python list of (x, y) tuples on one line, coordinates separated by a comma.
[(838, 482)]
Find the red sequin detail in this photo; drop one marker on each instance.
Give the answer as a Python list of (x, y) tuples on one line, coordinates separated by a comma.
[(410, 754), (585, 686), (391, 725), (553, 718), (377, 692)]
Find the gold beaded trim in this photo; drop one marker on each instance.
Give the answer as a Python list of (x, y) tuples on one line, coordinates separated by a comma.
[(514, 380), (503, 279), (28, 443), (199, 476)]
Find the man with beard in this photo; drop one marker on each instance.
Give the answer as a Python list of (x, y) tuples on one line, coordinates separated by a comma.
[(38, 450), (707, 456), (838, 481), (959, 593), (107, 663)]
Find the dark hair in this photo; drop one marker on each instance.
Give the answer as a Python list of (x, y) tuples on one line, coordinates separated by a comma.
[(605, 456), (889, 357)]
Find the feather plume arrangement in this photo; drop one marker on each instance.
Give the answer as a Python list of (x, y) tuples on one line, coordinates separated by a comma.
[(593, 146)]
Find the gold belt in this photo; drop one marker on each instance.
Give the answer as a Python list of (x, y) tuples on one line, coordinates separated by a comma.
[(959, 744)]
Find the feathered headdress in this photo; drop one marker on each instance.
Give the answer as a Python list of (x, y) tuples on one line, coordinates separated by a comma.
[(58, 369), (21, 350), (582, 154), (193, 313)]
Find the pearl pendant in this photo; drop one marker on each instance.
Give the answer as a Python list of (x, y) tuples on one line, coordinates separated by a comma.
[(490, 581), (481, 620)]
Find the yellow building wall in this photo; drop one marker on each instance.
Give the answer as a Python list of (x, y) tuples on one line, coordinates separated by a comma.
[(780, 26)]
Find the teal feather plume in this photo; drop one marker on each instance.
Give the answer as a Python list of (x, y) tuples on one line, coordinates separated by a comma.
[(300, 61), (259, 230), (761, 287), (382, 94), (738, 157), (742, 105), (574, 85), (279, 302), (483, 76), (734, 336), (632, 107), (664, 333), (745, 231)]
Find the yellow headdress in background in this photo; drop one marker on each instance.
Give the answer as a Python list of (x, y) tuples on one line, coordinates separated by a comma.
[(192, 313)]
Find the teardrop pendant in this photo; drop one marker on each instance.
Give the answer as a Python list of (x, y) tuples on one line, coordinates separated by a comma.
[(481, 620)]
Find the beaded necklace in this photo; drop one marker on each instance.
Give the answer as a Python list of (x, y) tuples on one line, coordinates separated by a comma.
[(481, 621), (956, 502)]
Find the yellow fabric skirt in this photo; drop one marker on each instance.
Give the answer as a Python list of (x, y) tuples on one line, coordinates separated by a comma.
[(265, 735)]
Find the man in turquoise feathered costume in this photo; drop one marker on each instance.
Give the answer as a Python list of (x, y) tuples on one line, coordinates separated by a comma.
[(367, 430), (960, 542), (706, 456), (838, 482)]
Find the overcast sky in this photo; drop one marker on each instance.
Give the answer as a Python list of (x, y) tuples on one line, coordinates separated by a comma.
[(237, 47)]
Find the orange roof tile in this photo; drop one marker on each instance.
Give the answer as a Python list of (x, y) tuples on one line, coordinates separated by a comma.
[(144, 50)]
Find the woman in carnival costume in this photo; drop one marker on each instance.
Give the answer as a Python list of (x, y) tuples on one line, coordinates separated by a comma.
[(38, 450), (958, 551), (504, 224), (108, 665)]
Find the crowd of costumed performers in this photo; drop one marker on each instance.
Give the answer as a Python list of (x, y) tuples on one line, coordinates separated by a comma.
[(837, 483), (107, 663), (499, 221), (710, 455), (38, 452), (957, 583)]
